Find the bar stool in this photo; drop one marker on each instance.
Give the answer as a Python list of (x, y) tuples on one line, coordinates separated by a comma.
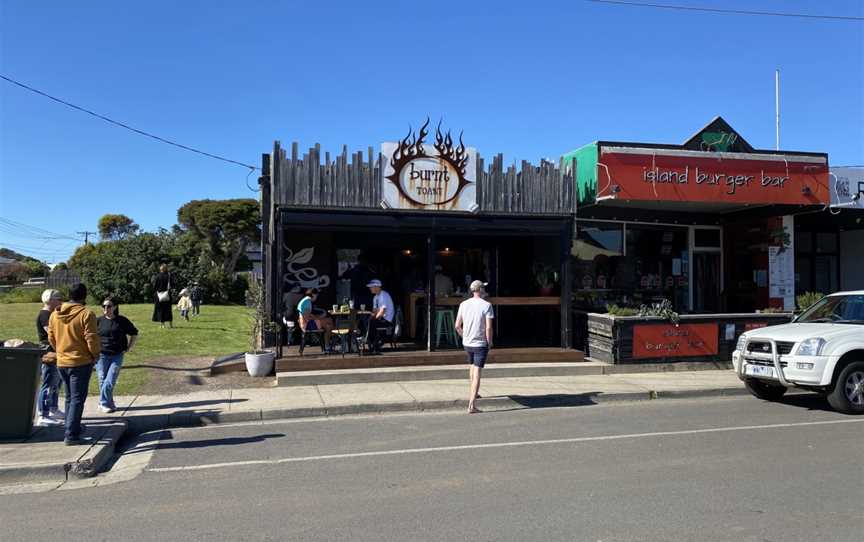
[(445, 325)]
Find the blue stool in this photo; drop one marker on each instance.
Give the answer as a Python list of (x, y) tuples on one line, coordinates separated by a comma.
[(445, 326)]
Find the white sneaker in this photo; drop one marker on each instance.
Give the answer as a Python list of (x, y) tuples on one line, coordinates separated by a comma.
[(106, 409), (57, 414), (44, 421)]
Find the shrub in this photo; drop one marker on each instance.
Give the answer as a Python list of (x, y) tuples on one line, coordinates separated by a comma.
[(616, 310), (808, 299), (663, 309), (22, 295)]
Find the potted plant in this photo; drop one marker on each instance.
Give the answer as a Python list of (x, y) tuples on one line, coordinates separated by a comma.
[(545, 277), (259, 362)]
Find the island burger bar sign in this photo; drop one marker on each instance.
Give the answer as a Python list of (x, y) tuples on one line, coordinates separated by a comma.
[(646, 174), (439, 176)]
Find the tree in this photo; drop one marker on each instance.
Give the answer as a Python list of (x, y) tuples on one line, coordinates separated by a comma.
[(224, 228), (114, 227)]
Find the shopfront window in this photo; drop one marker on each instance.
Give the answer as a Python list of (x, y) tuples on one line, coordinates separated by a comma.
[(816, 262), (630, 265)]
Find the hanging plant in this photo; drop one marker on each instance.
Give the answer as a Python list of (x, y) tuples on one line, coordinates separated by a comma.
[(781, 237)]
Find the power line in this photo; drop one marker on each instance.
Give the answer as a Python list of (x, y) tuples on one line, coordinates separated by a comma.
[(86, 235), (730, 11), (33, 231), (126, 126)]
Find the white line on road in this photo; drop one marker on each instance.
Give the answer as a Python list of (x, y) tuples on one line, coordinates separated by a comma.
[(497, 445)]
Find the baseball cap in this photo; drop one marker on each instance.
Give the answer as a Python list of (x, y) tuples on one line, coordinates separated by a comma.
[(48, 295), (374, 282), (478, 285)]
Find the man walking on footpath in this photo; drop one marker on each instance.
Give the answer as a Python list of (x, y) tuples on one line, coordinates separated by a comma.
[(74, 335), (474, 325)]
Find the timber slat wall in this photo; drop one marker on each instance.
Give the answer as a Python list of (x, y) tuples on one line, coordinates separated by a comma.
[(355, 183)]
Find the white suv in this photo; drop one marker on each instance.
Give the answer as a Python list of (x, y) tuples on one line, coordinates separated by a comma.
[(822, 350)]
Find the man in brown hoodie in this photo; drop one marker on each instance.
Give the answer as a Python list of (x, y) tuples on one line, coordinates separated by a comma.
[(73, 334)]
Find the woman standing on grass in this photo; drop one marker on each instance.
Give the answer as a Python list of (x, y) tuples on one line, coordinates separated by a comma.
[(118, 335), (162, 293)]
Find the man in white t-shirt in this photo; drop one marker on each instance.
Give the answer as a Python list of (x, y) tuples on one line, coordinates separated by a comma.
[(383, 313), (474, 325)]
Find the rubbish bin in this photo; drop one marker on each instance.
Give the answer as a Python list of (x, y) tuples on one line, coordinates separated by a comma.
[(19, 381)]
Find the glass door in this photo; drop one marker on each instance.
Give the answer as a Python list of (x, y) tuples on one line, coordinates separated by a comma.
[(707, 272)]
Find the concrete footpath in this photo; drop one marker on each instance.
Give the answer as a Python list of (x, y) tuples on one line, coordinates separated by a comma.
[(44, 458)]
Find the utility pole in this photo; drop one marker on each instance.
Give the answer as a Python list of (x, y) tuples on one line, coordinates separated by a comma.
[(777, 105), (86, 235)]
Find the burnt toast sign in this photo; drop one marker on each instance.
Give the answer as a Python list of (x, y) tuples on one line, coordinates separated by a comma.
[(438, 177)]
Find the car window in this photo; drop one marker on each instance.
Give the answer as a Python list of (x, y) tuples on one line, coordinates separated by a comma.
[(845, 309)]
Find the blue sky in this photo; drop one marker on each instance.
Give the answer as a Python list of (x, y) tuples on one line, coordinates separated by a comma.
[(529, 79)]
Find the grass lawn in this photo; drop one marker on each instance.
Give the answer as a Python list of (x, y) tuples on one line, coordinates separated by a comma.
[(219, 330)]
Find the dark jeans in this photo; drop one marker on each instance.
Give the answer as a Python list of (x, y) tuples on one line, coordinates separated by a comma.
[(196, 308), (76, 380), (373, 333)]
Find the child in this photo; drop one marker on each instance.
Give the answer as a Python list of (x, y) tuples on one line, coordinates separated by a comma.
[(184, 305)]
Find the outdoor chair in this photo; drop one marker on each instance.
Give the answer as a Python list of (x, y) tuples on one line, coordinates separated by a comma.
[(309, 337), (393, 332)]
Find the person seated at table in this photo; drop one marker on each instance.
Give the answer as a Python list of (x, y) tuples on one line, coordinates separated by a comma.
[(312, 320), (443, 283), (383, 313)]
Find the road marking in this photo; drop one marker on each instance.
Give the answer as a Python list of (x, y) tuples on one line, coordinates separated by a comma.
[(407, 451)]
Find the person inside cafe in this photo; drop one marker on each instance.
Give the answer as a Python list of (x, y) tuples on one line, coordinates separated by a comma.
[(383, 314), (313, 319), (359, 274), (443, 283)]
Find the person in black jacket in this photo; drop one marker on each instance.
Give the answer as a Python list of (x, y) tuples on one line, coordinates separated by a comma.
[(162, 297), (117, 335), (48, 407)]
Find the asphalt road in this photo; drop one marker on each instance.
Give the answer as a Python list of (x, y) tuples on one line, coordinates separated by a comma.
[(715, 469)]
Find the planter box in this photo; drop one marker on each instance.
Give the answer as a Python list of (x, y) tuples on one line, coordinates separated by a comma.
[(697, 337)]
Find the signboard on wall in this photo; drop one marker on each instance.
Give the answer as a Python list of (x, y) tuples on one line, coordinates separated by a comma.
[(671, 341), (643, 174), (847, 187), (437, 177), (781, 268)]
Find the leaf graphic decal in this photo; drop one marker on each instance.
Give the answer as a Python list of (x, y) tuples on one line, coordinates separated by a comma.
[(303, 256)]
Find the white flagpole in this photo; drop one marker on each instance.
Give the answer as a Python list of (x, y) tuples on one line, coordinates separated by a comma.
[(777, 105)]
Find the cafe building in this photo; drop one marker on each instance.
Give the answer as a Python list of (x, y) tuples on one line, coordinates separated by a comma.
[(426, 215), (709, 225)]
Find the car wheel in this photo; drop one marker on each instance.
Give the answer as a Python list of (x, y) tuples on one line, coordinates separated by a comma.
[(763, 390), (848, 393)]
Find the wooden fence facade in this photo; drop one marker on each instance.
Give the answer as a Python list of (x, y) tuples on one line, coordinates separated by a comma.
[(354, 182)]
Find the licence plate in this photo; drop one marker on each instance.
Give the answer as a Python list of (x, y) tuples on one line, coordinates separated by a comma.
[(759, 370)]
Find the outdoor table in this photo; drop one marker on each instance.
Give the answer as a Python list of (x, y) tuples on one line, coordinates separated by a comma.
[(340, 319), (455, 300)]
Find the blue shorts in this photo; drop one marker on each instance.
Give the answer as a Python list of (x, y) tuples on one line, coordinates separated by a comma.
[(477, 355), (311, 325)]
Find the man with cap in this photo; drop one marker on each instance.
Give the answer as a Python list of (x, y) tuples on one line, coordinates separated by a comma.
[(474, 325), (383, 313), (49, 413)]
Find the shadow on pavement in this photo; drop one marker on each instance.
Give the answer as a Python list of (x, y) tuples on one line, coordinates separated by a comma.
[(156, 441), (554, 400), (187, 404), (810, 401)]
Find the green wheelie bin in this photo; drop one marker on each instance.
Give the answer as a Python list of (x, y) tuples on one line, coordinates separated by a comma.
[(19, 382)]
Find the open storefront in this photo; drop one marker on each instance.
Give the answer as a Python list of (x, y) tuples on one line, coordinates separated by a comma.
[(425, 218), (708, 225)]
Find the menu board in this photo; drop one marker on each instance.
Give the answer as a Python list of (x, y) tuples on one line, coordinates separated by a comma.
[(781, 276)]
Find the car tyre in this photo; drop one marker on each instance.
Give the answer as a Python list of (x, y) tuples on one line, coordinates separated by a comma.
[(763, 390), (847, 396)]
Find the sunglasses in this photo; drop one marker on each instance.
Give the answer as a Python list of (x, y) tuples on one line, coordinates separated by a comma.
[(107, 306)]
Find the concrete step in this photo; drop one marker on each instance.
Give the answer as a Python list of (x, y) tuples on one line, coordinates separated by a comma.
[(451, 372)]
